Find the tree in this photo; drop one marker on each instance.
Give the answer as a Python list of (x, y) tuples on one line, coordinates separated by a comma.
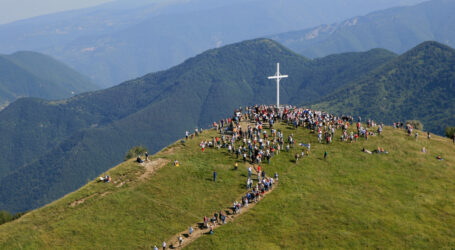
[(416, 124), (450, 131), (134, 152)]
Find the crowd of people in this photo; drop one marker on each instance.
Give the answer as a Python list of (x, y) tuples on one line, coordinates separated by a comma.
[(258, 140)]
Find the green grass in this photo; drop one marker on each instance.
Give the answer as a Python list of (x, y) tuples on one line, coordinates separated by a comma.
[(353, 200)]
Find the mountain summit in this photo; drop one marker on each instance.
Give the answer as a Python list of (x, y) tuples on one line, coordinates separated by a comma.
[(82, 136), (338, 193)]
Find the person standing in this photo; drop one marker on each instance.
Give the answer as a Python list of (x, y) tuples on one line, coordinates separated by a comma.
[(325, 155), (191, 231), (164, 245), (214, 176)]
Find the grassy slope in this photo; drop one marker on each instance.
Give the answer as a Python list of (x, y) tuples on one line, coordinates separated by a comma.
[(404, 199), (135, 214), (354, 200)]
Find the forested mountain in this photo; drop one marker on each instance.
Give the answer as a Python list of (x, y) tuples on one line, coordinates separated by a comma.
[(122, 40), (420, 84), (25, 74), (397, 29), (57, 145)]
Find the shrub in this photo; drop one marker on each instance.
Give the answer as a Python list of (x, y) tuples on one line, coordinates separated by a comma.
[(450, 131), (5, 216), (416, 124), (134, 152)]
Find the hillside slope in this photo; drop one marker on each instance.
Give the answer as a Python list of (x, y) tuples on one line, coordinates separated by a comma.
[(83, 136), (417, 85), (402, 199), (397, 29), (30, 74)]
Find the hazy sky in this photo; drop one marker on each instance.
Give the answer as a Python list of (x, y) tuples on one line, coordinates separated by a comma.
[(11, 10)]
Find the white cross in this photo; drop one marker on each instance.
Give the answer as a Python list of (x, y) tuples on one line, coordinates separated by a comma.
[(278, 77)]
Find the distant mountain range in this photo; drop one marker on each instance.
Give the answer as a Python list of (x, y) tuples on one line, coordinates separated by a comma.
[(397, 29), (122, 40), (30, 74), (57, 146)]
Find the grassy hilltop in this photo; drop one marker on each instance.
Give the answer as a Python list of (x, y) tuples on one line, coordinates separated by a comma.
[(353, 200)]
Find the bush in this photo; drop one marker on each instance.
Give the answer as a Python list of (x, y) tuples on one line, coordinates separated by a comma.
[(450, 131), (5, 216), (416, 124), (134, 152)]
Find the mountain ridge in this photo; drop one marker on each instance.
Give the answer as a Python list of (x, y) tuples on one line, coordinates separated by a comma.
[(95, 129), (27, 73), (420, 79), (397, 29), (116, 42)]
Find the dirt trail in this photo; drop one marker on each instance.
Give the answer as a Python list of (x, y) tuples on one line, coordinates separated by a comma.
[(199, 231), (77, 202), (152, 166)]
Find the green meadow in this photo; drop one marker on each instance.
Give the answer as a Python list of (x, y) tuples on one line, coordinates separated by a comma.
[(404, 199)]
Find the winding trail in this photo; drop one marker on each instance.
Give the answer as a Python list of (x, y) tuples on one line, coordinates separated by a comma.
[(199, 230)]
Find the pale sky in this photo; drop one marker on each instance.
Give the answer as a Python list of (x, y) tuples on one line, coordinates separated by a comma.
[(12, 10)]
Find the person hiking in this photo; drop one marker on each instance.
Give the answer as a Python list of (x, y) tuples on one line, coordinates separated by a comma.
[(214, 176), (190, 231), (180, 241), (325, 155), (223, 218), (164, 245)]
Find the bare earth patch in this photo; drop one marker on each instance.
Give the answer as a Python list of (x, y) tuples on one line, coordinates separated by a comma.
[(152, 166), (78, 202)]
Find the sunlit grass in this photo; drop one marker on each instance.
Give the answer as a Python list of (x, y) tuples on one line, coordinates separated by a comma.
[(353, 200)]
